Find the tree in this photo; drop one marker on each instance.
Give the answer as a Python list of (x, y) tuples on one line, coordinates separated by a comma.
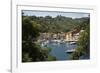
[(83, 49), (30, 33)]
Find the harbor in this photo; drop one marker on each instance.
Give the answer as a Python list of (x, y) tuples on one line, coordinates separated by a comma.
[(60, 49), (62, 44)]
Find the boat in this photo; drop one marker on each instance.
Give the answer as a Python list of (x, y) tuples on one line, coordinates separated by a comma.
[(44, 43), (55, 41), (70, 50), (72, 43)]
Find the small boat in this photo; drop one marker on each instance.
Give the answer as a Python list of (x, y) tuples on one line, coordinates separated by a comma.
[(42, 44), (70, 51), (72, 43)]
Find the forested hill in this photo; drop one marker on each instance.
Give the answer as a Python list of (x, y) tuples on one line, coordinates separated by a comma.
[(59, 23)]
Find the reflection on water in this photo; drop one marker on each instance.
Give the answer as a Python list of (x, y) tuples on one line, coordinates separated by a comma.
[(59, 50)]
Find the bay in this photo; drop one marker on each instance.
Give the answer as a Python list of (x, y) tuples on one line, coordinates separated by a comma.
[(59, 50)]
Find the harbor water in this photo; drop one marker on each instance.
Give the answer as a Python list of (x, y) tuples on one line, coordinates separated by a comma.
[(58, 50)]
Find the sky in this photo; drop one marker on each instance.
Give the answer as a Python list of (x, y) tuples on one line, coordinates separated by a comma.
[(54, 14)]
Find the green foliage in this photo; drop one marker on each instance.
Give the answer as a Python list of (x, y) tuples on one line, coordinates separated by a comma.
[(83, 48), (30, 50), (29, 29), (64, 24), (26, 58), (51, 58), (74, 56)]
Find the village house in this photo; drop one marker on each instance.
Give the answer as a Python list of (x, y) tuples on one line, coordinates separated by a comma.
[(69, 36), (73, 35)]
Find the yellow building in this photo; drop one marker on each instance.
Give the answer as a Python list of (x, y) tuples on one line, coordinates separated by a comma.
[(68, 36), (73, 35)]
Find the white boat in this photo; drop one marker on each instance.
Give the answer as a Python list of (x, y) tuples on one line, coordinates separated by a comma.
[(71, 43), (44, 43), (70, 50)]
